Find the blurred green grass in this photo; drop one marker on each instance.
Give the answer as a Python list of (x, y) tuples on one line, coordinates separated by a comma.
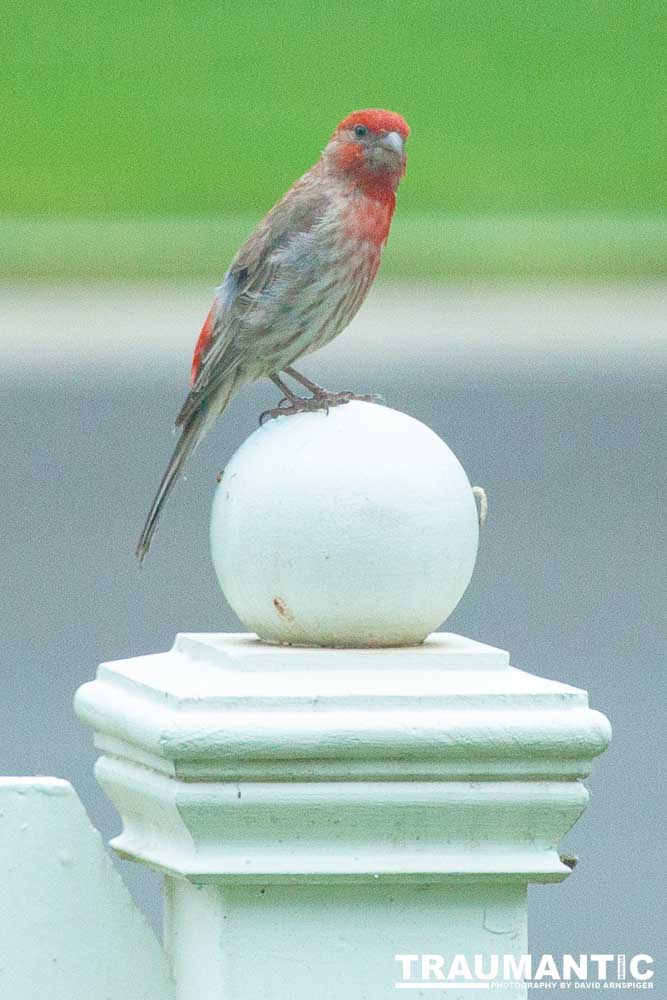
[(157, 131), (420, 247)]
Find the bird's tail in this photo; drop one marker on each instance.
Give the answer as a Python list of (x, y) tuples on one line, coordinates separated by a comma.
[(195, 419), (193, 432)]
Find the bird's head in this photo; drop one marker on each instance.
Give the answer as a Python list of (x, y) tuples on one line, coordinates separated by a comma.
[(368, 147)]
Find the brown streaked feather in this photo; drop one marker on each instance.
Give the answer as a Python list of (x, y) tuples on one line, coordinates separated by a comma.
[(253, 274)]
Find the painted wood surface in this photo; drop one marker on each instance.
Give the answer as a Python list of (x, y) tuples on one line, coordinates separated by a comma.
[(317, 811), (356, 527), (68, 927)]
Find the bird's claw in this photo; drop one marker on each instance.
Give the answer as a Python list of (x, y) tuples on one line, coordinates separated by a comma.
[(323, 400), (284, 406), (339, 398)]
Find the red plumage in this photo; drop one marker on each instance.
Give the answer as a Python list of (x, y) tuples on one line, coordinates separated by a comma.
[(202, 345), (298, 280)]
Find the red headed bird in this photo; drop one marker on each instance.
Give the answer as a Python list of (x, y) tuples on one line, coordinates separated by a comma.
[(296, 283)]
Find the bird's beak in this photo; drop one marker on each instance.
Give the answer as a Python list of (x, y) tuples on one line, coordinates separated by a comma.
[(394, 142)]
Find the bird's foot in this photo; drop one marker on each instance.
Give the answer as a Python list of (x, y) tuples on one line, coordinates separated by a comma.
[(289, 405), (339, 398), (322, 400)]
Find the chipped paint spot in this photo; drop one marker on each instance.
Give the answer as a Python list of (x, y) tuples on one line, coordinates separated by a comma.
[(283, 610)]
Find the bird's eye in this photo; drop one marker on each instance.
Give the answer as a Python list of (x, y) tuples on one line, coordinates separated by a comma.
[(360, 131)]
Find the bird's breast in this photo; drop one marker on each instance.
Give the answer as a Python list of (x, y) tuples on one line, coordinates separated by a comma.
[(369, 219)]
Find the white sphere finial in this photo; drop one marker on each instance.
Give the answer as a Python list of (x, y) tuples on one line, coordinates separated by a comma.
[(352, 528)]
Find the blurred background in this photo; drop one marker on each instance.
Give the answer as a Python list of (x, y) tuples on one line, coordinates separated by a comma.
[(521, 313)]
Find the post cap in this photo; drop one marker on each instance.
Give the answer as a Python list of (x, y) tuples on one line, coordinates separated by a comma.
[(356, 527)]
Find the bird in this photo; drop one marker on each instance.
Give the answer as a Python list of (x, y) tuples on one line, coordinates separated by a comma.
[(295, 284)]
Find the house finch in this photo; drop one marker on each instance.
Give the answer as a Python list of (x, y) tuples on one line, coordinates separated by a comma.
[(296, 283)]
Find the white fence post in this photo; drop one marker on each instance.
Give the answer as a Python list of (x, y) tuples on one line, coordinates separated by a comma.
[(319, 811)]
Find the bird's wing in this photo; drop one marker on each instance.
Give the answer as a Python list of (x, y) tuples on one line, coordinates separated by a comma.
[(253, 280)]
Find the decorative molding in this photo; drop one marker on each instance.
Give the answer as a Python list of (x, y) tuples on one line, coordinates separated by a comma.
[(230, 760)]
